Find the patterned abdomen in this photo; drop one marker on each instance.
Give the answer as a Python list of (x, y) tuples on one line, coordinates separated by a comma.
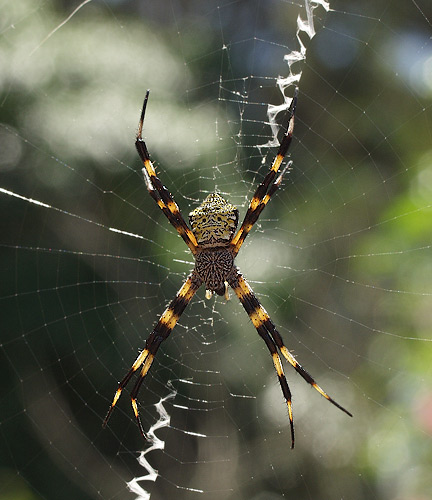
[(214, 222)]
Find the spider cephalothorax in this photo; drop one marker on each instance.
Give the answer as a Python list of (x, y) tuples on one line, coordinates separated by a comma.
[(214, 267), (212, 242)]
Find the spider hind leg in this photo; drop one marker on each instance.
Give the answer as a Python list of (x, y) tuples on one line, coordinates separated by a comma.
[(158, 191), (269, 185)]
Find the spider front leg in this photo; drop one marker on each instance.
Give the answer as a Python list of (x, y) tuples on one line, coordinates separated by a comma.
[(238, 284), (267, 330), (161, 331), (158, 191)]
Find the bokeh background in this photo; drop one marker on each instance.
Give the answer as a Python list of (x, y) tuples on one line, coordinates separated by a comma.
[(341, 258)]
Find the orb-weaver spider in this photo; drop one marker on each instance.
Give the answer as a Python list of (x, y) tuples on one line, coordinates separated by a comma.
[(213, 244)]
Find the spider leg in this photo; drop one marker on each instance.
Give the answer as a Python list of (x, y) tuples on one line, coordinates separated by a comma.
[(269, 185), (161, 331), (238, 285), (159, 192), (297, 366), (262, 322)]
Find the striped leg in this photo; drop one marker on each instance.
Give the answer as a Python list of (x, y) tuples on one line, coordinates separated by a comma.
[(161, 331), (262, 322), (293, 362), (269, 185), (246, 296), (159, 192)]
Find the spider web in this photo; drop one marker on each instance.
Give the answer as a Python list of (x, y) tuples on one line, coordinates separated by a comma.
[(340, 258)]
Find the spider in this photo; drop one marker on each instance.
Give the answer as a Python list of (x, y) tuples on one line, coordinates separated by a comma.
[(214, 246)]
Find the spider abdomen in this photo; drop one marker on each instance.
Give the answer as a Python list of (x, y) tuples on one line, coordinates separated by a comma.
[(214, 222), (213, 266)]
